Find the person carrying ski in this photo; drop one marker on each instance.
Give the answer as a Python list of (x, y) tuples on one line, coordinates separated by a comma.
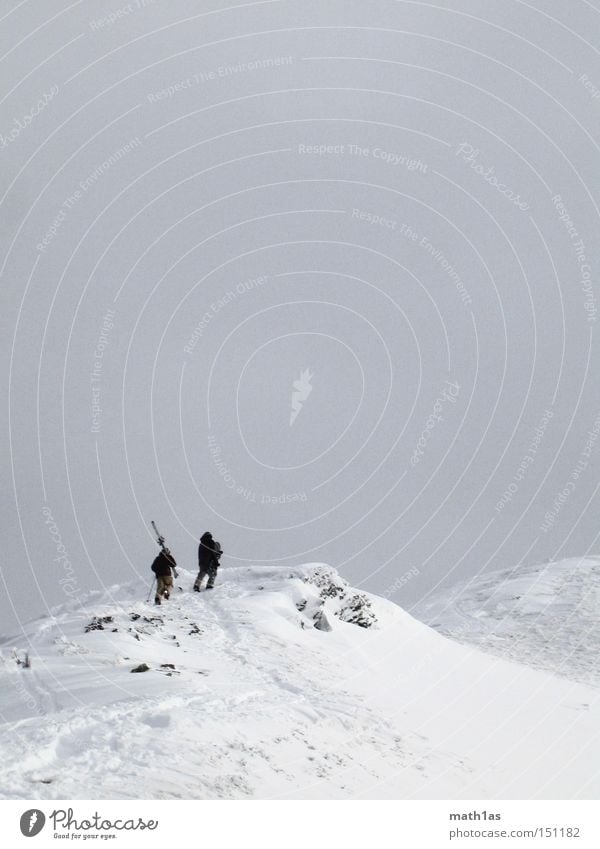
[(209, 554), (164, 569)]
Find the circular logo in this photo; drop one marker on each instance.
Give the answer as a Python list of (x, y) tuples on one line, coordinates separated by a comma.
[(32, 822)]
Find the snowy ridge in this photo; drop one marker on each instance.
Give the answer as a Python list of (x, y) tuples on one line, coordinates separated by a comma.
[(546, 616), (245, 698)]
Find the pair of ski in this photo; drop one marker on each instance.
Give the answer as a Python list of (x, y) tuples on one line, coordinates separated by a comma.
[(161, 541)]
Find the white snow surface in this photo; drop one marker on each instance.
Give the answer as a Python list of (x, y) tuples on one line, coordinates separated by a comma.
[(546, 616), (261, 704)]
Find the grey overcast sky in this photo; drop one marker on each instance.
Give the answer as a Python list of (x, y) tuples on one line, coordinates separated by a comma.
[(321, 277)]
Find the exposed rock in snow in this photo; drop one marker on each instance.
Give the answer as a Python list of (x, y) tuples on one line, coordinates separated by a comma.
[(321, 621), (351, 606), (357, 610)]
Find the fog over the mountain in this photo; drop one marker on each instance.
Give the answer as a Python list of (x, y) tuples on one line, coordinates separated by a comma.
[(320, 277)]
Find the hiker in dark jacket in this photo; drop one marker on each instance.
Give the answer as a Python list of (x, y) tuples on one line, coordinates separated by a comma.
[(164, 569), (209, 554)]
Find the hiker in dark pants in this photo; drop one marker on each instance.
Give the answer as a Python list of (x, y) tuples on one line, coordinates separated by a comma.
[(164, 569), (209, 554)]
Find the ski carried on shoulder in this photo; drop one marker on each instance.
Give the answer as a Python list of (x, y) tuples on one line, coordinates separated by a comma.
[(161, 541), (159, 537)]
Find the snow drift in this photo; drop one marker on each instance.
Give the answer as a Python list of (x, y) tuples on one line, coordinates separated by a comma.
[(279, 684), (546, 616)]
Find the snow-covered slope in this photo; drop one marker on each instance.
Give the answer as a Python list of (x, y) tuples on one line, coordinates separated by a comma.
[(244, 697), (546, 616)]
